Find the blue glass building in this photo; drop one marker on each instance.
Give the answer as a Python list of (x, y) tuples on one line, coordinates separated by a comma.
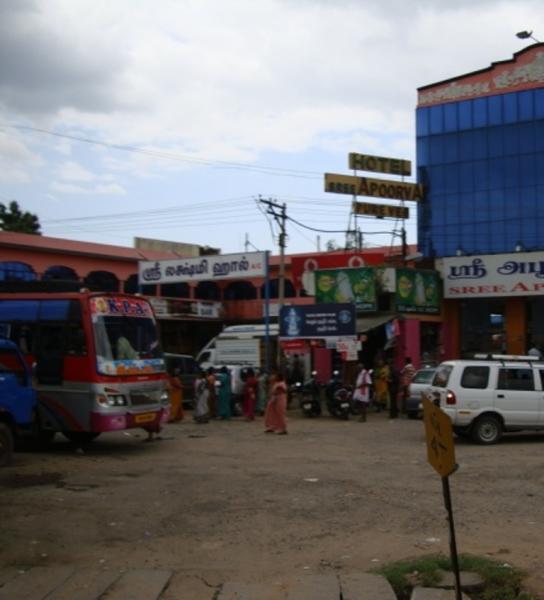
[(480, 155)]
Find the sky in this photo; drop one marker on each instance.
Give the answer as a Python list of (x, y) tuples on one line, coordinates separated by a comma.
[(176, 119)]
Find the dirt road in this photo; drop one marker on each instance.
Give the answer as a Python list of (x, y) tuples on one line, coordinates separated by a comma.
[(225, 501)]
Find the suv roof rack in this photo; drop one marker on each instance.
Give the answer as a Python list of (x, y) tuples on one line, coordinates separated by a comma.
[(512, 357)]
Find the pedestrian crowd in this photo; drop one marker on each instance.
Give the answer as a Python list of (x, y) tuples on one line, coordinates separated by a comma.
[(383, 387)]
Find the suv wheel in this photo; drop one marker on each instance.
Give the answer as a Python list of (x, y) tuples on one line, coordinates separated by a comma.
[(487, 430), (6, 445)]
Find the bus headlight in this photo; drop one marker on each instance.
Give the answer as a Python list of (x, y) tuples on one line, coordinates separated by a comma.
[(164, 397), (111, 400)]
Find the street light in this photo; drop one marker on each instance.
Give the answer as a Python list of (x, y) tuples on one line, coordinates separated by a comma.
[(523, 35)]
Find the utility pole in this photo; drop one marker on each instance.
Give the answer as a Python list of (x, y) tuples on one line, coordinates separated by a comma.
[(279, 213)]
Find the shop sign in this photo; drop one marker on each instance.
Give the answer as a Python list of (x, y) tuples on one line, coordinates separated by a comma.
[(374, 188), (348, 349), (203, 268), (525, 71), (317, 321), (303, 267), (347, 285), (494, 275), (380, 211), (379, 164), (418, 291)]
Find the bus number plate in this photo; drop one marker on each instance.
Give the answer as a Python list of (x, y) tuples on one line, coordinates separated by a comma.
[(144, 418)]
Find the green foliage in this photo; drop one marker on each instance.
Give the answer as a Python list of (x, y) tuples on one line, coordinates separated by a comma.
[(501, 582), (12, 218)]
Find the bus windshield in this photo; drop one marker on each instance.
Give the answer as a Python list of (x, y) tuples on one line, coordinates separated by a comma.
[(125, 335)]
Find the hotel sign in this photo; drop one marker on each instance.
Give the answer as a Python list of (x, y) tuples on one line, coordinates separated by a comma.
[(374, 188), (379, 164), (380, 210), (494, 275)]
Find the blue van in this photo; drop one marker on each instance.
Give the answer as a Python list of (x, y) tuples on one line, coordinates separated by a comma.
[(17, 398)]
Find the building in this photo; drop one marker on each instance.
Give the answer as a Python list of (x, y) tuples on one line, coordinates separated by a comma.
[(480, 156)]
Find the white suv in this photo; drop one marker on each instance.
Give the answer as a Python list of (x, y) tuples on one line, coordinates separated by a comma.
[(492, 394)]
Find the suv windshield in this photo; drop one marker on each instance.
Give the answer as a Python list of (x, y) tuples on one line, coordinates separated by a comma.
[(126, 336)]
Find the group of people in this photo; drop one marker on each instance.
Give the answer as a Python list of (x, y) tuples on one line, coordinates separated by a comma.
[(384, 387), (262, 395)]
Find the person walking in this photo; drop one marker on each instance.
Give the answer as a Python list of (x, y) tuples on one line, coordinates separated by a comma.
[(394, 384), (176, 396), (361, 394), (201, 410), (406, 375), (212, 392), (275, 417), (382, 379), (250, 395), (224, 393), (262, 392)]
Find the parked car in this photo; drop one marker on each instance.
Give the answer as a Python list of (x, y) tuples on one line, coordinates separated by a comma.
[(421, 381), (490, 395), (188, 370)]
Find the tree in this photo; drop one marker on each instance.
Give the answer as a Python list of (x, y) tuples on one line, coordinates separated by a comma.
[(12, 218)]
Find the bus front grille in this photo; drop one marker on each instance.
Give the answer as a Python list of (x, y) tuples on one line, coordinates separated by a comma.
[(141, 399)]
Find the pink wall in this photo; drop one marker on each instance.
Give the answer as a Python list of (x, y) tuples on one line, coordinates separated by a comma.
[(409, 343)]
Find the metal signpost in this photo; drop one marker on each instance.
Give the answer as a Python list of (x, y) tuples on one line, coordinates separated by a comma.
[(441, 456)]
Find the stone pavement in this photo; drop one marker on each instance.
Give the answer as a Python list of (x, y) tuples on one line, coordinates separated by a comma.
[(67, 583)]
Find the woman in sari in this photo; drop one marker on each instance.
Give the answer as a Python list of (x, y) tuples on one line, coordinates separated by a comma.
[(223, 393), (275, 417)]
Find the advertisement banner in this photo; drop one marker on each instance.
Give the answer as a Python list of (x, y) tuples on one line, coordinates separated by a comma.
[(203, 268), (347, 285), (517, 274), (418, 291), (303, 267), (317, 321)]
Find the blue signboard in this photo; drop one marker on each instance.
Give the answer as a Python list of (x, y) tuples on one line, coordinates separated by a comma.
[(317, 321)]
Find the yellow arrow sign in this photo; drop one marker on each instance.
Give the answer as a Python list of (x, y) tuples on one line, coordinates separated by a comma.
[(440, 446)]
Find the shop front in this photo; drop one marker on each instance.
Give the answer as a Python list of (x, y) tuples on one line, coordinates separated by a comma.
[(493, 303)]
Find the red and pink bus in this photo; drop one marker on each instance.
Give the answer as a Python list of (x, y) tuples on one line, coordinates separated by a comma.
[(96, 360)]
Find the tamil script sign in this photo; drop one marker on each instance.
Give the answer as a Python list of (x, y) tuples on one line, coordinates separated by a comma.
[(203, 268), (311, 321), (374, 188), (517, 274)]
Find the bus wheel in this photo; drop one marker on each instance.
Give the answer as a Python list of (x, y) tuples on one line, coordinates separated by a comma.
[(6, 445), (80, 437)]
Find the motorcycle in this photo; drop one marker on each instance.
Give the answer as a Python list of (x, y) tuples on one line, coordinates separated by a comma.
[(310, 401), (338, 398)]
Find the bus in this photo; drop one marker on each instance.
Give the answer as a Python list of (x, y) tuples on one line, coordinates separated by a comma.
[(96, 361)]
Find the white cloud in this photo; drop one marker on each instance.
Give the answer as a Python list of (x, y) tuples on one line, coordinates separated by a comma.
[(101, 189), (17, 161)]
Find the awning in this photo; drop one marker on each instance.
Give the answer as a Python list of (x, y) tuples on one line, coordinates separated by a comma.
[(373, 321)]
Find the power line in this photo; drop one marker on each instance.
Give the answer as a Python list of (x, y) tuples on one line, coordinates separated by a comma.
[(278, 171)]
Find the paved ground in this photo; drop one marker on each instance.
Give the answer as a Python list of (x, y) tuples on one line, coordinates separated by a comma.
[(221, 504)]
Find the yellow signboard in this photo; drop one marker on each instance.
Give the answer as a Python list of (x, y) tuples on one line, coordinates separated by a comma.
[(380, 210), (374, 188), (440, 447), (379, 164)]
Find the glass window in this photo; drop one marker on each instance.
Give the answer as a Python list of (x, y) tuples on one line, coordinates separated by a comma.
[(495, 110), (442, 375), (475, 378), (539, 103), (465, 114), (526, 105), (422, 121), (437, 119), (510, 106), (518, 379), (450, 117), (480, 112)]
